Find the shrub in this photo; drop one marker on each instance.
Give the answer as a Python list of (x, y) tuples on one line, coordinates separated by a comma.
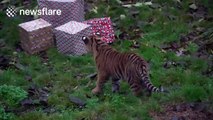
[(11, 95), (4, 115)]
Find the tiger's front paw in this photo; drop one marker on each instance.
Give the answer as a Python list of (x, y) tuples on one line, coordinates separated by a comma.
[(96, 91)]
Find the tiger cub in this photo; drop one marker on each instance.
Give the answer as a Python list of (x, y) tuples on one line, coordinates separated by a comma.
[(110, 63)]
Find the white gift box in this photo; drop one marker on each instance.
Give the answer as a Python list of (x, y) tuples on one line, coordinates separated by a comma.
[(69, 37), (71, 10)]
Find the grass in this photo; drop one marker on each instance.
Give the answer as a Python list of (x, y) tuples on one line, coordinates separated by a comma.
[(67, 74)]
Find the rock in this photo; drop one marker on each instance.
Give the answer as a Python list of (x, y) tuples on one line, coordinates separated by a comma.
[(4, 62), (178, 108), (32, 90), (178, 118), (174, 118), (18, 47), (88, 96), (27, 102), (167, 64), (134, 12), (201, 107), (192, 105), (28, 78), (43, 100), (49, 110)]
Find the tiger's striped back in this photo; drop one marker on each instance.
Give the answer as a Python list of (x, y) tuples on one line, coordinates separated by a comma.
[(111, 63)]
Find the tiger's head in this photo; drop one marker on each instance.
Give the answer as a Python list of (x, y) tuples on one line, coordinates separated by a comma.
[(93, 43)]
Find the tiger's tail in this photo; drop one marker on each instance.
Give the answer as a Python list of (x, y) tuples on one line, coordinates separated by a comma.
[(149, 85)]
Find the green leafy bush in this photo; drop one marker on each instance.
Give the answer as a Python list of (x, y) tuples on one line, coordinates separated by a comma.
[(4, 115), (11, 95)]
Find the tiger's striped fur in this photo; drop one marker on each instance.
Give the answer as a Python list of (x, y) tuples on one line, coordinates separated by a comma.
[(111, 63)]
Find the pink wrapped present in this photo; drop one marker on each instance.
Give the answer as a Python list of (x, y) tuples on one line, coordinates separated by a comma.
[(71, 10), (69, 38), (104, 27)]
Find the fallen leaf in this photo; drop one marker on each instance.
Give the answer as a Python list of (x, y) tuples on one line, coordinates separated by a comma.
[(148, 3), (135, 44), (200, 13), (20, 66), (127, 5), (78, 76), (1, 71), (2, 42), (180, 52), (5, 1), (138, 4), (124, 35), (167, 64), (178, 1), (155, 6), (77, 101), (193, 6), (92, 76), (134, 12), (95, 10), (122, 16), (76, 87), (119, 1)]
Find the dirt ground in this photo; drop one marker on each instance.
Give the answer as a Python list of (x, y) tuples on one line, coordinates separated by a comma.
[(184, 111)]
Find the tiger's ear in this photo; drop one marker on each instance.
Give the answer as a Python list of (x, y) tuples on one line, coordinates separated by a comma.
[(85, 39)]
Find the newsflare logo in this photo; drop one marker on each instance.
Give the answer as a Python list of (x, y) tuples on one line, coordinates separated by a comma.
[(11, 11)]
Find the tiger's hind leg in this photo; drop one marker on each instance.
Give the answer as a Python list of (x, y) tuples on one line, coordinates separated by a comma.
[(135, 86), (102, 78), (136, 89), (115, 85), (145, 91)]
